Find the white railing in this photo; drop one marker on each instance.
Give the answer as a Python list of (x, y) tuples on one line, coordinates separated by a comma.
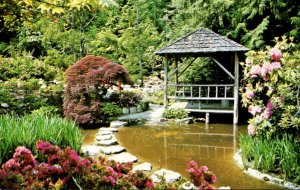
[(202, 92)]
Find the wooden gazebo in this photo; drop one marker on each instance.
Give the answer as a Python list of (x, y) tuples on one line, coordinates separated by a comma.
[(206, 98)]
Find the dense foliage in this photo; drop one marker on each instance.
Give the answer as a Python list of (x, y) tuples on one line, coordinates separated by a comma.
[(55, 168), (86, 84), (271, 90), (26, 130)]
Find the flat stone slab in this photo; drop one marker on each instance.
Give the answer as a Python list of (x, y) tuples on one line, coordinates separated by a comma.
[(142, 167), (109, 142), (118, 124), (101, 133), (91, 150), (108, 129), (170, 176), (112, 149), (124, 157), (188, 120), (104, 137)]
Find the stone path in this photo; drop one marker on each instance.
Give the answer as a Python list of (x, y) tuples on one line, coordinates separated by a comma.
[(153, 115)]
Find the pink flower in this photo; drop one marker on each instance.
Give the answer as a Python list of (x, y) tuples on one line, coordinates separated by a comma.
[(268, 111), (204, 168), (266, 68), (249, 94), (251, 130), (254, 109), (275, 54), (214, 179), (275, 65), (255, 71), (192, 164)]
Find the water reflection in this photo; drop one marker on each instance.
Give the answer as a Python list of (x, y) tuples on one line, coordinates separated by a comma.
[(173, 147)]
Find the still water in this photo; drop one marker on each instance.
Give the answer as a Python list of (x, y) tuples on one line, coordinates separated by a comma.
[(172, 147)]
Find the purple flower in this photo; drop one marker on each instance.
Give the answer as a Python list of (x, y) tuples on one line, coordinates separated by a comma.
[(255, 71), (275, 54), (249, 94), (251, 130), (254, 109)]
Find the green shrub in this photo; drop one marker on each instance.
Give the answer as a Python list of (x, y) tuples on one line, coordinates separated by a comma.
[(144, 105), (27, 129), (111, 109), (278, 155), (175, 114), (156, 97)]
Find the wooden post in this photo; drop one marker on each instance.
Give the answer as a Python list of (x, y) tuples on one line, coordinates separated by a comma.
[(207, 118), (236, 89), (176, 73), (119, 85), (166, 83)]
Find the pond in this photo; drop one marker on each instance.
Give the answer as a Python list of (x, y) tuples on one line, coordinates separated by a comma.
[(172, 147)]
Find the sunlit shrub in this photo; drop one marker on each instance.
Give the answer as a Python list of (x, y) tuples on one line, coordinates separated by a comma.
[(129, 98), (175, 114)]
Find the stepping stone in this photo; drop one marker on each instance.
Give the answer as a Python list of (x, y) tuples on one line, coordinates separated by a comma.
[(91, 150), (169, 175), (142, 167), (112, 149), (124, 157), (101, 133), (108, 129), (104, 137), (107, 142), (117, 124)]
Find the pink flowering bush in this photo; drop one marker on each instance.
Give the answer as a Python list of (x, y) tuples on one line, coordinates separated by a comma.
[(200, 176), (271, 90), (55, 168)]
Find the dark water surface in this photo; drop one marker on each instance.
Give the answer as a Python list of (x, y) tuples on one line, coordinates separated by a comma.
[(172, 147)]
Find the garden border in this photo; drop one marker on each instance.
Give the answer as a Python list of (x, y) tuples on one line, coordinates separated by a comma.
[(262, 176)]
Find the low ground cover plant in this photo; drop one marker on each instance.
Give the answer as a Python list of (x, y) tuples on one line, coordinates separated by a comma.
[(26, 130), (175, 114), (55, 168)]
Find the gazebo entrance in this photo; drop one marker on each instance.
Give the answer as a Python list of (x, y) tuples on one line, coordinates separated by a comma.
[(207, 98)]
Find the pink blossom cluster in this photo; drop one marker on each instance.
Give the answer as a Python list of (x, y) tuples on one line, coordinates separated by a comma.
[(200, 176), (275, 54), (59, 168), (268, 111), (254, 109), (251, 130)]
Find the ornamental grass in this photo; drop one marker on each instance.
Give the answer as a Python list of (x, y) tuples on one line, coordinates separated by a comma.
[(28, 129)]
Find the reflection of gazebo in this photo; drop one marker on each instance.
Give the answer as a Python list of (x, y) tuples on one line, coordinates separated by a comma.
[(213, 98)]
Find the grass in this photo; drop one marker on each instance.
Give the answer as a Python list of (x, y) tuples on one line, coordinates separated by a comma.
[(280, 156), (26, 130)]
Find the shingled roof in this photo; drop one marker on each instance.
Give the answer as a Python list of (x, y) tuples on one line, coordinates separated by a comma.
[(201, 41)]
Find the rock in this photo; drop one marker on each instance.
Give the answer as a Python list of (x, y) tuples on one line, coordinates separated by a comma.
[(291, 185), (117, 124), (91, 150), (188, 186), (224, 187), (123, 158), (104, 137), (238, 159), (170, 176), (139, 109), (107, 142), (132, 110), (4, 105), (108, 129), (112, 149), (163, 120), (188, 120), (101, 133), (142, 167), (200, 120), (125, 111)]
